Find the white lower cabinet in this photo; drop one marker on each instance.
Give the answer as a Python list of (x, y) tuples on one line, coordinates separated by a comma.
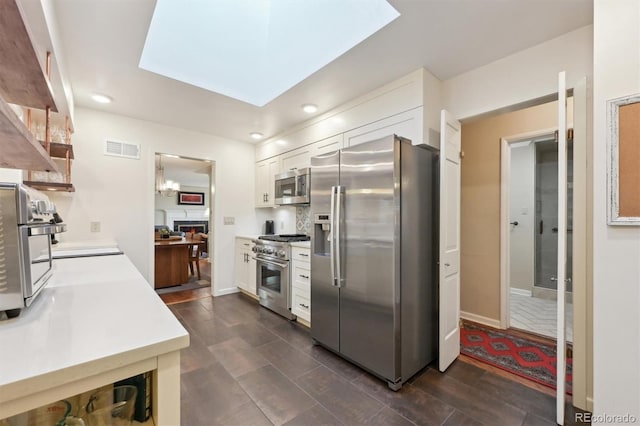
[(301, 284), (245, 266)]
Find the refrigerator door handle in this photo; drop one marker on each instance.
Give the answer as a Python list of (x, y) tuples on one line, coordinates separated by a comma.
[(332, 248), (337, 236)]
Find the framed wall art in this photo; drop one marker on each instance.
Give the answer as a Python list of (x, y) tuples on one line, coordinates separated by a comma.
[(623, 121), (191, 198)]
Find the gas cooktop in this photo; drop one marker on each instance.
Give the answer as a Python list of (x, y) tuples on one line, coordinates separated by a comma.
[(285, 238)]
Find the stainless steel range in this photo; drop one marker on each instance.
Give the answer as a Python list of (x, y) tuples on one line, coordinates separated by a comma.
[(273, 255)]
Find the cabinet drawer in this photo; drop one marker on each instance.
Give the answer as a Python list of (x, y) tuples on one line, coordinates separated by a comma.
[(301, 254), (301, 303), (301, 275)]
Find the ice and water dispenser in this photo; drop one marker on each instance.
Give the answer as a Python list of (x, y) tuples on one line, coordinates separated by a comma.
[(322, 234)]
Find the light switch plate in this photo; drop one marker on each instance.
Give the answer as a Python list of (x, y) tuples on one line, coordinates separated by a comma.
[(94, 226), (229, 220)]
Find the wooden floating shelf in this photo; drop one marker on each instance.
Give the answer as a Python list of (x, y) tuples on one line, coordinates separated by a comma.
[(51, 186), (59, 150), (20, 150), (22, 79)]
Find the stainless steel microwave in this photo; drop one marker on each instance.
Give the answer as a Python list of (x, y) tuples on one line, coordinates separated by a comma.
[(292, 188)]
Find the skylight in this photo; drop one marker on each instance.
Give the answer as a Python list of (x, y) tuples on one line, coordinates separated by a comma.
[(255, 50)]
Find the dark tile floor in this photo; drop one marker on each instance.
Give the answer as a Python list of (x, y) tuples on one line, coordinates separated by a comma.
[(248, 366)]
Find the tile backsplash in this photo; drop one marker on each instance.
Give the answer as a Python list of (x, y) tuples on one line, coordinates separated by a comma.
[(303, 220)]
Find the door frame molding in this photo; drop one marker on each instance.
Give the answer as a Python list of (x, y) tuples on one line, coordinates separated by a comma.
[(505, 244)]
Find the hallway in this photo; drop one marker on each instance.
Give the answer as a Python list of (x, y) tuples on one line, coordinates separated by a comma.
[(538, 316)]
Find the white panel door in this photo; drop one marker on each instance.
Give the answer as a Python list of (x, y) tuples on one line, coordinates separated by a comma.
[(562, 244), (449, 266)]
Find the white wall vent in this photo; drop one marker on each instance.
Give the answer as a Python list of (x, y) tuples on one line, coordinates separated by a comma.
[(122, 149)]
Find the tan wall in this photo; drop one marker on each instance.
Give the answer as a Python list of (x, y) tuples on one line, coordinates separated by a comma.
[(480, 208)]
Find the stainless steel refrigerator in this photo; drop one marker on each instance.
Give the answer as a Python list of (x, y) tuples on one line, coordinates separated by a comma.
[(374, 256)]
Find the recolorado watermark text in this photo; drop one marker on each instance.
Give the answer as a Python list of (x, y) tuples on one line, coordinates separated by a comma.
[(605, 418)]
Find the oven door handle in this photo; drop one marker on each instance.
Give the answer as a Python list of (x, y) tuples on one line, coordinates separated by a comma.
[(46, 229), (269, 262)]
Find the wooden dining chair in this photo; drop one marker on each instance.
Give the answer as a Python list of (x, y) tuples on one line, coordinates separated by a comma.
[(195, 250)]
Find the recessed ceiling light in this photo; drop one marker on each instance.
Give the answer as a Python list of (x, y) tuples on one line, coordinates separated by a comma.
[(256, 135), (101, 99), (309, 108)]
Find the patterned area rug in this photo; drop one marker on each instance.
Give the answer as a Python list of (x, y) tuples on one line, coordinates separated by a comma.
[(532, 360)]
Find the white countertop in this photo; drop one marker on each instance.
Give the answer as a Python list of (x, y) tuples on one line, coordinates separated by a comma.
[(248, 237), (301, 244), (97, 313)]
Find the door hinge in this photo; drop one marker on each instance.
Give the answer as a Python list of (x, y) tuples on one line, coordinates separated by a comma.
[(461, 154)]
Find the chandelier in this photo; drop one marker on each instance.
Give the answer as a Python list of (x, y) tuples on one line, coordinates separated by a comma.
[(164, 187)]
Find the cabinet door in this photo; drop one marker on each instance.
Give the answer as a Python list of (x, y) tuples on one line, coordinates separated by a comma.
[(262, 173), (265, 171), (251, 273), (301, 304), (323, 146), (407, 124), (296, 159), (242, 278)]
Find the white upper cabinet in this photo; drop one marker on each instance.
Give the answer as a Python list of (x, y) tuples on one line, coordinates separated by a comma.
[(408, 107), (301, 157), (333, 143), (265, 171), (407, 124), (296, 159)]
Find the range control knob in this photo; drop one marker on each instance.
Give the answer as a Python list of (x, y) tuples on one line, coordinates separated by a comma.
[(282, 253), (269, 250), (254, 249)]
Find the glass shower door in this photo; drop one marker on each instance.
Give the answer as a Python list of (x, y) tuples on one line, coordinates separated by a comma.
[(546, 194)]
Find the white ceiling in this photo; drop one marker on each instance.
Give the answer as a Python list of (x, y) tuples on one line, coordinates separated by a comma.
[(186, 171), (103, 41)]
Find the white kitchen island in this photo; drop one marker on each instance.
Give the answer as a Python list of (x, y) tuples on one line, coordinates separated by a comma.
[(98, 321)]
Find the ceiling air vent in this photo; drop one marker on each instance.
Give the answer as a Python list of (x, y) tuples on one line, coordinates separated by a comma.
[(122, 149)]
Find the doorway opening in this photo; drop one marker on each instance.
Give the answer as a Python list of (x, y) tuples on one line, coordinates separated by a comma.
[(183, 219), (533, 234)]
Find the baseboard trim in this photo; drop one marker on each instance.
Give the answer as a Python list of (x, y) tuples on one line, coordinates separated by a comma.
[(303, 322), (225, 291), (590, 404), (480, 319), (551, 294), (520, 291), (246, 293)]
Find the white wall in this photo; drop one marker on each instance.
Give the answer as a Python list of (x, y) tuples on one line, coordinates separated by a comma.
[(119, 192), (522, 210), (284, 219), (521, 77), (11, 175), (163, 203), (616, 256)]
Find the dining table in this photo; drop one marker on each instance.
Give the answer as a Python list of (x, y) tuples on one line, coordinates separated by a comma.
[(172, 260)]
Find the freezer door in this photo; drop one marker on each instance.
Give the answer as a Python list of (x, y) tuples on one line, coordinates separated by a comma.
[(325, 314), (369, 295)]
